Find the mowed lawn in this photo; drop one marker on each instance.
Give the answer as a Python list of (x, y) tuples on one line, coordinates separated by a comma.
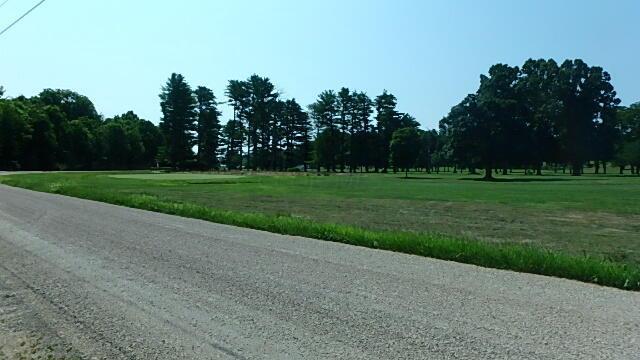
[(597, 215)]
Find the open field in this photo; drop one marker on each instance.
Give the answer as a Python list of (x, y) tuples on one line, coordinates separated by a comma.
[(175, 176), (598, 216)]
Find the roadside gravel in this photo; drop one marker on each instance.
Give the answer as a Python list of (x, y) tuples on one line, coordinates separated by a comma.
[(117, 283)]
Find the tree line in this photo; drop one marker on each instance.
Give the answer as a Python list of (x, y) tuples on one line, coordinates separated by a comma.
[(541, 114), (61, 129)]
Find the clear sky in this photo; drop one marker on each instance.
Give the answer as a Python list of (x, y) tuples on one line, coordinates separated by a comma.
[(428, 53)]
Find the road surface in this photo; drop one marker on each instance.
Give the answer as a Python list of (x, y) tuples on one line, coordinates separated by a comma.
[(113, 282)]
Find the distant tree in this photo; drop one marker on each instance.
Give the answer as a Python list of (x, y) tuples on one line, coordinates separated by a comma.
[(606, 138), (303, 139), (15, 134), (233, 134), (346, 108), (325, 113), (116, 146), (260, 115), (404, 143), (295, 132), (239, 97), (72, 104), (586, 96), (407, 120), (540, 111), (1, 91), (484, 127), (274, 136), (427, 149), (325, 148), (628, 152), (362, 131), (178, 123), (208, 128), (144, 139), (388, 121), (504, 123), (79, 142), (42, 148), (255, 102)]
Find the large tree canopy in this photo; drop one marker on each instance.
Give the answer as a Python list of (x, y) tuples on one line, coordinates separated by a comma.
[(586, 96), (539, 113)]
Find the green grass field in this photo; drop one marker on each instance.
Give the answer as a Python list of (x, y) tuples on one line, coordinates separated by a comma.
[(176, 176), (594, 215)]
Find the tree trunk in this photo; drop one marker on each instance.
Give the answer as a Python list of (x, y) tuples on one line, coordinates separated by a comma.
[(597, 166), (604, 167), (622, 169), (539, 169), (577, 169), (488, 172), (504, 171)]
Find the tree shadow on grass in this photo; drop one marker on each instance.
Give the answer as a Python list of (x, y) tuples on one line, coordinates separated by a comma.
[(213, 182), (419, 178), (518, 180)]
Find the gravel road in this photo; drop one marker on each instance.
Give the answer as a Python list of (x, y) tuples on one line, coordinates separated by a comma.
[(111, 282)]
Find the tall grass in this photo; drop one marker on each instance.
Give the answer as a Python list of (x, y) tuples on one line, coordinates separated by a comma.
[(519, 258)]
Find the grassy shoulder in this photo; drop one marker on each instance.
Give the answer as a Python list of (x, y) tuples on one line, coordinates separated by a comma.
[(522, 258)]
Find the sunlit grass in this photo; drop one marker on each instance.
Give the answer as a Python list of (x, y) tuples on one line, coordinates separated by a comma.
[(519, 258)]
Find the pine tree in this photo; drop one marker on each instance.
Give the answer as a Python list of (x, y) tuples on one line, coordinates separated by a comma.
[(208, 128), (178, 123)]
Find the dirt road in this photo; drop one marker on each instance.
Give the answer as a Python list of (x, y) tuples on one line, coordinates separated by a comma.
[(103, 281)]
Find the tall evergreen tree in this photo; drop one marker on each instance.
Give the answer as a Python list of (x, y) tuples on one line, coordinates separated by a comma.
[(233, 134), (346, 110), (208, 128), (388, 121), (303, 138), (325, 113), (238, 93), (362, 130), (255, 103), (262, 99), (294, 128), (178, 123)]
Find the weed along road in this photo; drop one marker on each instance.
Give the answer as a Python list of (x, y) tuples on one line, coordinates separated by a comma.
[(111, 282)]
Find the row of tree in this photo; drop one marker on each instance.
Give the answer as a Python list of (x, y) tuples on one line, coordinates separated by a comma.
[(60, 129), (540, 114), (267, 132)]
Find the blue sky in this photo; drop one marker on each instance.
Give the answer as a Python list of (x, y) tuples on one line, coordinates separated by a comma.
[(428, 53)]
